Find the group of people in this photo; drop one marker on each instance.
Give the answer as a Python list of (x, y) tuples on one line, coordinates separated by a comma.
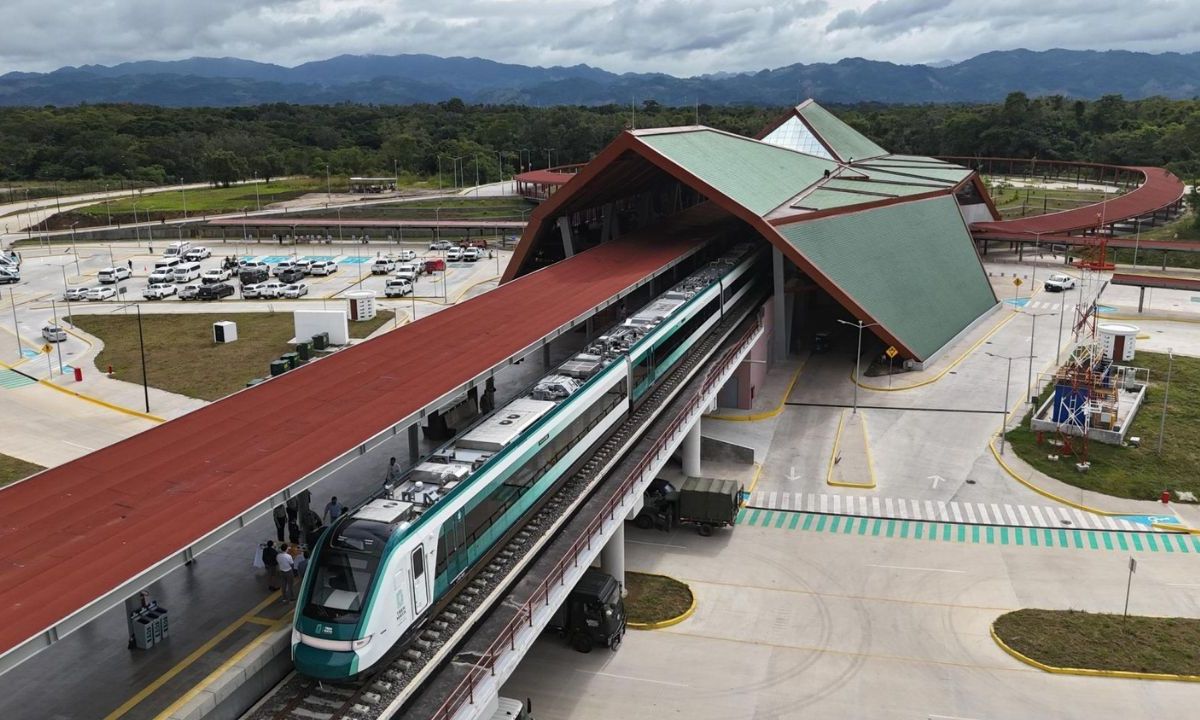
[(297, 529)]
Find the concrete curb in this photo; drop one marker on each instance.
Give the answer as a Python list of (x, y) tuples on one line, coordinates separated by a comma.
[(837, 443), (103, 403), (1086, 672), (238, 684), (669, 621), (766, 414)]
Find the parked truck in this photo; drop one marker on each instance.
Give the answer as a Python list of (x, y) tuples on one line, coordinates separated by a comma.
[(593, 614), (707, 503)]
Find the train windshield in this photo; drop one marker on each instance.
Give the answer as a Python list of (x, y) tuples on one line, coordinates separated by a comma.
[(346, 566)]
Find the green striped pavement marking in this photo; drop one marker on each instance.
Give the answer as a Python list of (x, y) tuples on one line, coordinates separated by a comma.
[(978, 534), (12, 380), (1196, 544)]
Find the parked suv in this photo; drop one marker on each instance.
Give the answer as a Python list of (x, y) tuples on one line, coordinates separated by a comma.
[(291, 275), (215, 291), (113, 274), (1058, 282)]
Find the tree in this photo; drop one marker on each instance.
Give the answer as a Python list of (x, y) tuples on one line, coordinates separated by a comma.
[(222, 167), (1194, 203)]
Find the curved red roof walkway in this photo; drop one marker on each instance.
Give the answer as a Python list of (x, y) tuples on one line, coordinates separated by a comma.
[(75, 533), (1160, 191)]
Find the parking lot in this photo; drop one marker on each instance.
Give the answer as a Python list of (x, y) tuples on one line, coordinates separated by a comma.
[(47, 274)]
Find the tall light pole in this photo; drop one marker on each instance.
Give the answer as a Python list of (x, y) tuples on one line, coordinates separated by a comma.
[(142, 348), (12, 298), (1062, 312), (1137, 239), (858, 356), (476, 174), (57, 344), (74, 250), (439, 157), (257, 201), (1007, 383), (1162, 423), (328, 186), (1032, 333), (183, 189)]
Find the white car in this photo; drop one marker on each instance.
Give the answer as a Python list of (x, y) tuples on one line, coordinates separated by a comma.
[(101, 293), (253, 291), (159, 291), (304, 266), (76, 293), (215, 275), (397, 287), (9, 276), (383, 266), (295, 290), (403, 255), (281, 268), (53, 333), (251, 265), (161, 276), (440, 245), (1058, 282), (197, 254), (326, 267), (472, 254), (113, 274), (454, 254), (271, 289)]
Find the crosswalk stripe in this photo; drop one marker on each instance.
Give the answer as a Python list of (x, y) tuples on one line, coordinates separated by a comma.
[(942, 511), (957, 514), (929, 510), (772, 501), (983, 513), (862, 505), (996, 514), (1012, 516), (875, 507), (1037, 514), (1025, 516), (1112, 524), (903, 508), (891, 511), (824, 502), (809, 500)]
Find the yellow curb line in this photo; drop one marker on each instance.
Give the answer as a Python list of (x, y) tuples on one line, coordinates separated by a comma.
[(104, 403), (768, 413), (1171, 527), (753, 482), (669, 621), (1087, 672), (966, 353), (833, 457), (1131, 318), (189, 660)]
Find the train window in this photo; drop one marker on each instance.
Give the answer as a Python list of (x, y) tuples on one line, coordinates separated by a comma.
[(664, 350), (418, 562)]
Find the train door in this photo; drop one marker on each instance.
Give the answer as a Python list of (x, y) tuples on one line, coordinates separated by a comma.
[(420, 581)]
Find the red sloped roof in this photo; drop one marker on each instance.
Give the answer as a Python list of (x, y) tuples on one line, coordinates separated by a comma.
[(545, 177), (133, 504)]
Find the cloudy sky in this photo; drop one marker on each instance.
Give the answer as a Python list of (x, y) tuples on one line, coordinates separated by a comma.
[(681, 37)]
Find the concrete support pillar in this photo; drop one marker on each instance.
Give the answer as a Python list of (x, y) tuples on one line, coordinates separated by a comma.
[(781, 330), (607, 231), (414, 447), (546, 356), (612, 556), (690, 451), (1141, 298), (564, 227), (590, 328)]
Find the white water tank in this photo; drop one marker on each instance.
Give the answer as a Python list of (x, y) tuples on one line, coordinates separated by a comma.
[(362, 304), (1118, 341)]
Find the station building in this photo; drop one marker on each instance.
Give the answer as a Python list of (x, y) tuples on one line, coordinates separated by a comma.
[(857, 233)]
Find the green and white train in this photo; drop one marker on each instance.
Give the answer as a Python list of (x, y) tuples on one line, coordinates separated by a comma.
[(379, 571)]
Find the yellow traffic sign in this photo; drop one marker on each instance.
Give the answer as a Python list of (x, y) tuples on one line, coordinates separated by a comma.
[(46, 348), (892, 352), (1017, 281)]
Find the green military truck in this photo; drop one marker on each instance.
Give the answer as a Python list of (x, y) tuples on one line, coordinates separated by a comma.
[(707, 503)]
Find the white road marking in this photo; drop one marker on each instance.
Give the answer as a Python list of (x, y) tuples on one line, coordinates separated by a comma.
[(643, 542), (1025, 515), (824, 502), (918, 569), (942, 515), (891, 511), (970, 513), (837, 504), (85, 447), (1012, 516), (772, 501), (1037, 514), (875, 507), (929, 513), (631, 677), (957, 514), (983, 513)]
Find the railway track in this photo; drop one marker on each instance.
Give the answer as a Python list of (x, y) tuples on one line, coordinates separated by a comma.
[(384, 691)]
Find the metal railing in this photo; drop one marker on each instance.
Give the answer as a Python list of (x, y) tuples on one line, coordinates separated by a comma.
[(464, 692)]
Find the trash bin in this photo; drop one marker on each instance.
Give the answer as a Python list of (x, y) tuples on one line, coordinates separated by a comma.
[(303, 352), (78, 374), (141, 628), (278, 367), (320, 341), (291, 359)]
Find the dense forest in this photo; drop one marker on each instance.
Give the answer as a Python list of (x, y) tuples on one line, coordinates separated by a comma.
[(165, 145)]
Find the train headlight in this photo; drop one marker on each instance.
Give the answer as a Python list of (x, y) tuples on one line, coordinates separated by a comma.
[(362, 643)]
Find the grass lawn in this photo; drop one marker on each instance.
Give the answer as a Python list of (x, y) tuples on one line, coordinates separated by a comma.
[(654, 598), (181, 356), (445, 209), (1013, 202), (1137, 472), (1096, 641), (209, 200), (12, 469)]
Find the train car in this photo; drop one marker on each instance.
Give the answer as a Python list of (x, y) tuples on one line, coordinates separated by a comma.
[(379, 570)]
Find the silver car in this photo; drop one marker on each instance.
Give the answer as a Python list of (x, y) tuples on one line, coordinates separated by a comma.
[(53, 333)]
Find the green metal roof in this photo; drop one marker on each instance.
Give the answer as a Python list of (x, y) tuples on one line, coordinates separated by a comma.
[(848, 143), (911, 159), (948, 174), (911, 266), (756, 175), (827, 199), (883, 188)]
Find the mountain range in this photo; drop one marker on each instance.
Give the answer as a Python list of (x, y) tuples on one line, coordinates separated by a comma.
[(404, 79)]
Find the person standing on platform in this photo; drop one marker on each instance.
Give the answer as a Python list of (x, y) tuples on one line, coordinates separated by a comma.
[(293, 521), (281, 517), (393, 475), (269, 557), (333, 510), (287, 571)]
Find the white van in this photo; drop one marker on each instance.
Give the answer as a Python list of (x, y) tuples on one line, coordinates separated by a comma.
[(186, 272), (177, 249), (167, 264)]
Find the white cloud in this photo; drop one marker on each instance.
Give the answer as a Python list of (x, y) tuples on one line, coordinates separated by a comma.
[(681, 37)]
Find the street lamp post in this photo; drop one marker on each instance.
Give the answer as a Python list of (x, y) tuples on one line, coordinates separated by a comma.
[(439, 157), (1062, 311), (142, 348), (1004, 411), (57, 345), (1137, 239), (12, 298), (328, 186), (75, 250), (857, 356), (1162, 423), (476, 174), (183, 189), (1032, 333)]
